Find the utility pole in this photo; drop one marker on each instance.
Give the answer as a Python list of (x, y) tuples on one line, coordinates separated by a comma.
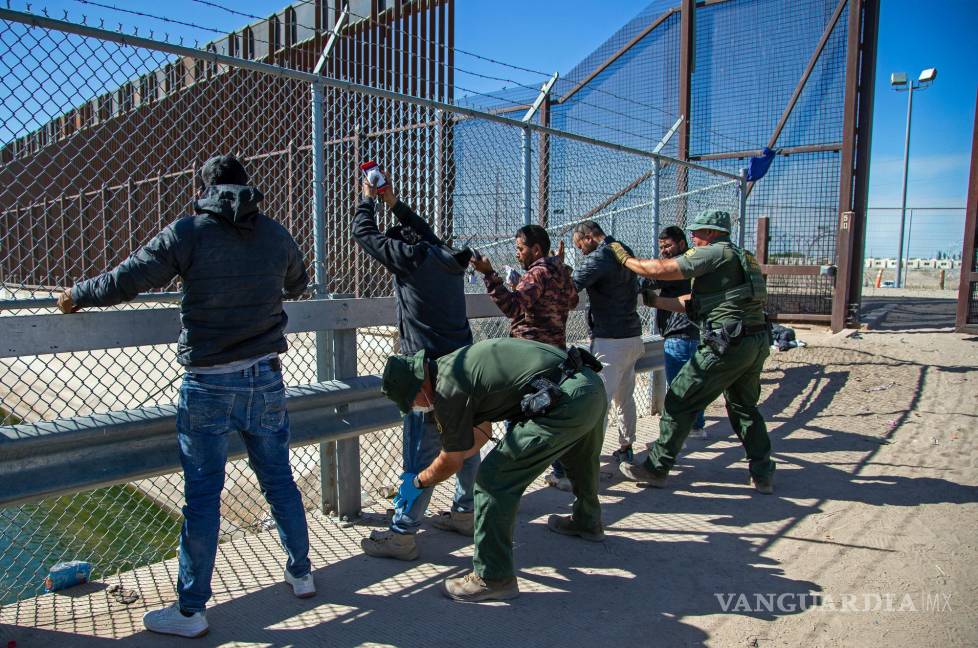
[(900, 83)]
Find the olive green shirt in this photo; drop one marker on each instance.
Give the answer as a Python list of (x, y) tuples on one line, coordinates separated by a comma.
[(715, 268), (486, 382)]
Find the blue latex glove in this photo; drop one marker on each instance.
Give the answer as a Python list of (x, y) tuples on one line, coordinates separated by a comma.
[(407, 492), (758, 166)]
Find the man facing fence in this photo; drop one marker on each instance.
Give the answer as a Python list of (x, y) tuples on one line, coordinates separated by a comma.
[(236, 264), (616, 330), (429, 288), (539, 304), (681, 337)]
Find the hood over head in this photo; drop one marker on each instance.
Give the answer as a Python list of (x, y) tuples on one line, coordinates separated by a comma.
[(236, 204)]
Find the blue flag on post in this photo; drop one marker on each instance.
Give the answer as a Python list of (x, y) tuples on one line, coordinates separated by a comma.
[(758, 166)]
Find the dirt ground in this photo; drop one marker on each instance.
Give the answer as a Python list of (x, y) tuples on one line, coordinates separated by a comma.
[(868, 540)]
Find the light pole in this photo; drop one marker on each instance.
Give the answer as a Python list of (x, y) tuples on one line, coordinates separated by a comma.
[(900, 83)]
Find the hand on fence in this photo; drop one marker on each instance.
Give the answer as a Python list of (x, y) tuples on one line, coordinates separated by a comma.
[(407, 492), (560, 251), (65, 304), (620, 252), (481, 263)]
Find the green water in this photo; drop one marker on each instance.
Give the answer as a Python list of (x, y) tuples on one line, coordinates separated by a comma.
[(116, 528)]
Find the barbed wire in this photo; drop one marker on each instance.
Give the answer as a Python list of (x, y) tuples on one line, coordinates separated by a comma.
[(571, 117), (457, 50), (425, 58), (673, 116), (457, 69)]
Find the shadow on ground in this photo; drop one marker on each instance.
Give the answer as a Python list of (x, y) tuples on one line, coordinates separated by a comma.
[(906, 314), (672, 556)]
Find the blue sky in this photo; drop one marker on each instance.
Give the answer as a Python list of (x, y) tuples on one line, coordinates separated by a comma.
[(556, 36), (913, 35)]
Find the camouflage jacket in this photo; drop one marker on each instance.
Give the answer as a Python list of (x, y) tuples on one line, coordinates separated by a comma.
[(539, 305)]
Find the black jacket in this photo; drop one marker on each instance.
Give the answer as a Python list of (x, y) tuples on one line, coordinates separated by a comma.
[(429, 279), (234, 263), (672, 324), (612, 293)]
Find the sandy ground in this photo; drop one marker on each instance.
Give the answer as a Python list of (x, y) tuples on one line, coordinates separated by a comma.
[(869, 539)]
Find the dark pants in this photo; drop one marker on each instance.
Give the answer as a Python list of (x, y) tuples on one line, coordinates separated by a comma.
[(736, 375), (573, 430)]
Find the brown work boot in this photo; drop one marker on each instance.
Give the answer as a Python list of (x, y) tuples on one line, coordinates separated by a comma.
[(565, 525), (387, 544), (643, 474), (462, 522), (472, 588)]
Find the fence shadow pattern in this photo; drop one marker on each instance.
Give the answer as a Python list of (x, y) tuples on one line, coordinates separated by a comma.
[(82, 199)]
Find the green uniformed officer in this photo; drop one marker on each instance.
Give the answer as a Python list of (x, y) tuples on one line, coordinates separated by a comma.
[(486, 382), (727, 303)]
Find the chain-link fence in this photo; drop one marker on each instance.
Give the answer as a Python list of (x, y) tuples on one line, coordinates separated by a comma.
[(101, 143), (760, 73)]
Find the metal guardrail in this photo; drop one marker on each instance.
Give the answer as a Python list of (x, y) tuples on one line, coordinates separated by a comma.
[(61, 457), (56, 458)]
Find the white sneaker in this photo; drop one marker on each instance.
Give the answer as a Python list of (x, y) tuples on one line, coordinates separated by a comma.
[(171, 621), (560, 483), (698, 433), (302, 587)]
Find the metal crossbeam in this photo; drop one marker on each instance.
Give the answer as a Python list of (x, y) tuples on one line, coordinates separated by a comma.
[(135, 41), (331, 41), (544, 91)]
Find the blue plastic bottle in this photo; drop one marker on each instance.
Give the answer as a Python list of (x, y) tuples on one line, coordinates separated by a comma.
[(67, 574)]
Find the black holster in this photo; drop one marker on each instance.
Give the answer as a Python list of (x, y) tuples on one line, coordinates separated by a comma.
[(722, 338), (543, 396), (543, 393), (577, 359)]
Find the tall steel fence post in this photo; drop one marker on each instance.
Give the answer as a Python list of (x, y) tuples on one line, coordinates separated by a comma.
[(742, 207), (657, 384), (324, 339), (336, 350), (527, 180)]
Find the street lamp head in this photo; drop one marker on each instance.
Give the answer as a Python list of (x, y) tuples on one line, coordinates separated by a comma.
[(928, 75), (898, 80)]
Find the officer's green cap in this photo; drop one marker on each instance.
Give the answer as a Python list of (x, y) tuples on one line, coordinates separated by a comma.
[(403, 376), (713, 219)]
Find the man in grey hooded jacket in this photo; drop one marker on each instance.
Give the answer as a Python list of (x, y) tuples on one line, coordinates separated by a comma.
[(236, 265)]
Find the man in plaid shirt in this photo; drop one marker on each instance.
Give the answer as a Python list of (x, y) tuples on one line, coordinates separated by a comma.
[(545, 294), (539, 304)]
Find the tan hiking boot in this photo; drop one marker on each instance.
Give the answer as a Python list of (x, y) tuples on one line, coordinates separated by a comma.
[(387, 544), (462, 522), (565, 525), (471, 588), (642, 474)]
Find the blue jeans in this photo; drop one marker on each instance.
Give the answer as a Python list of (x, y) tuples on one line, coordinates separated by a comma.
[(251, 402), (422, 443), (678, 351)]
